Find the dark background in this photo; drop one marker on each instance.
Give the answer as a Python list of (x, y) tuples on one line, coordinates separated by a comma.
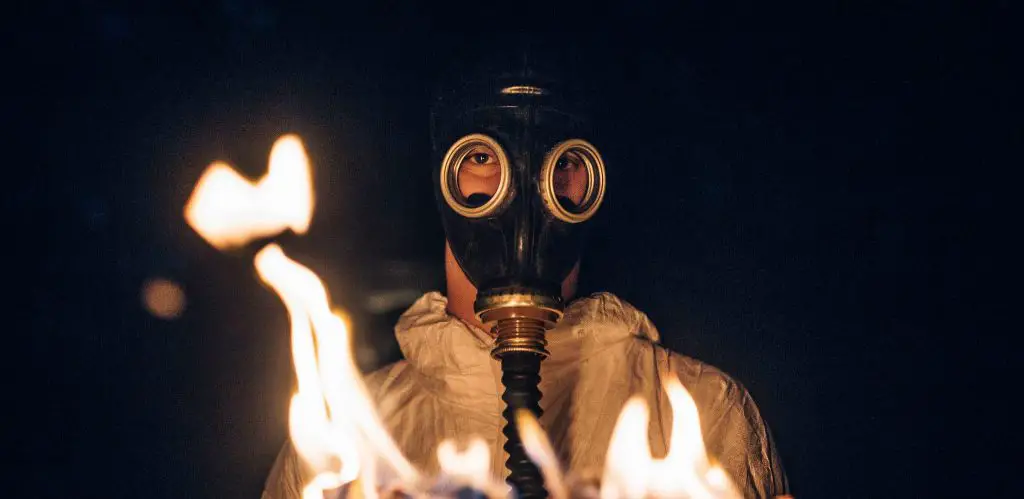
[(798, 196)]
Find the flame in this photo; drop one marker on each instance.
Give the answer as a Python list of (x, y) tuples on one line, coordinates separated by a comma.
[(229, 211), (331, 411), (332, 422), (470, 467), (685, 472), (539, 450)]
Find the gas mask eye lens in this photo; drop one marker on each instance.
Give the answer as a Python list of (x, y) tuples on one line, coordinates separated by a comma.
[(572, 181), (479, 175), (475, 176), (477, 200)]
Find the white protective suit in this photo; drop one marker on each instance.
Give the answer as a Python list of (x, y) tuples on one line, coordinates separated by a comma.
[(603, 351)]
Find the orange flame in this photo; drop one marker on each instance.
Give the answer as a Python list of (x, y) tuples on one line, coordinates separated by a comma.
[(470, 467), (539, 449), (685, 472), (229, 211), (332, 422)]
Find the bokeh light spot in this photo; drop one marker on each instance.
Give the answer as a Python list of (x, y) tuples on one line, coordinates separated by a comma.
[(163, 298)]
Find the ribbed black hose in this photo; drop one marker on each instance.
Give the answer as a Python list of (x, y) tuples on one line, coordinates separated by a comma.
[(520, 373)]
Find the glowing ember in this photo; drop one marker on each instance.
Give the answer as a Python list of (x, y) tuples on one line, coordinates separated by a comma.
[(332, 423)]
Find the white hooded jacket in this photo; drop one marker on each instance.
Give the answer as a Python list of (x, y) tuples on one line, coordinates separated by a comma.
[(603, 351)]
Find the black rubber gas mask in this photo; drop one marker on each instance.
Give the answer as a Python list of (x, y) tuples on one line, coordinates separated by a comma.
[(516, 182)]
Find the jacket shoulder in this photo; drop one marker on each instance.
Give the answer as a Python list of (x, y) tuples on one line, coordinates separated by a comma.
[(287, 475), (384, 377), (734, 431), (700, 377)]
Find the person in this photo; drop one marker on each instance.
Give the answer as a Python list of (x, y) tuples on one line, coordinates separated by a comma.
[(516, 182)]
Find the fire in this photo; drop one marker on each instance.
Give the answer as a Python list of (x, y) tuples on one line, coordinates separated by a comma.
[(332, 422), (331, 418), (229, 211), (685, 472), (538, 447), (471, 467)]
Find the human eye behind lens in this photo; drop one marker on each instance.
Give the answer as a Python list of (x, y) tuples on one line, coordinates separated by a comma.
[(569, 162), (481, 156), (481, 162)]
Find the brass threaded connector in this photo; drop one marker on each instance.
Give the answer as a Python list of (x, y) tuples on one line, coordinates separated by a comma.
[(519, 320), (519, 334)]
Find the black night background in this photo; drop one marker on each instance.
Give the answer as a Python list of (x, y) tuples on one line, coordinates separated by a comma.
[(798, 196)]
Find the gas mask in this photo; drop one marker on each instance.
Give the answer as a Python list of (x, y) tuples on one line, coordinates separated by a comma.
[(516, 182)]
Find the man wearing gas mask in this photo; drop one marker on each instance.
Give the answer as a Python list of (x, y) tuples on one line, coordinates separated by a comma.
[(517, 179)]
